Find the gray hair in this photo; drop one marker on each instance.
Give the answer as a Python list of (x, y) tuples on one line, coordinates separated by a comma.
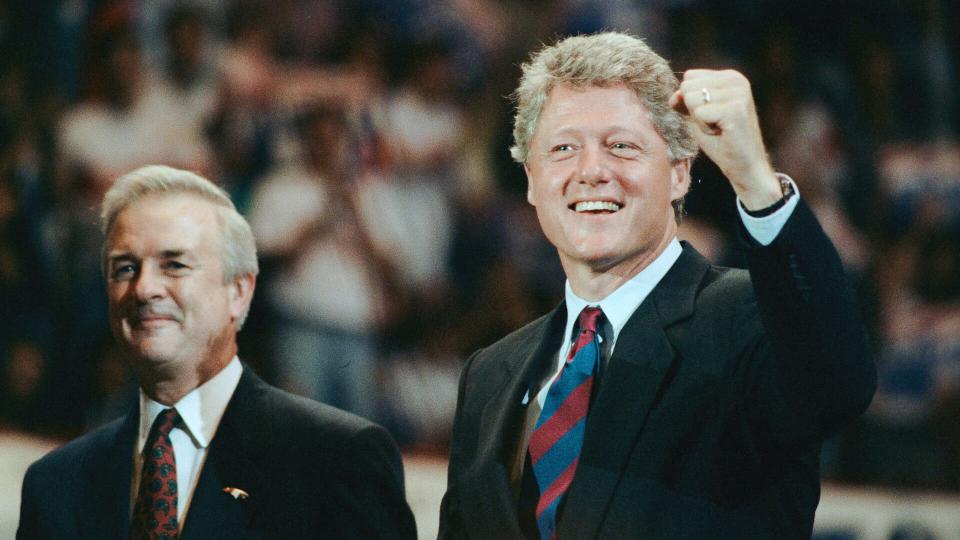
[(605, 59), (238, 249)]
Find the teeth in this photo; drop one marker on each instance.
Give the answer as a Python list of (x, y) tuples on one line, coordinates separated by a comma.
[(593, 206)]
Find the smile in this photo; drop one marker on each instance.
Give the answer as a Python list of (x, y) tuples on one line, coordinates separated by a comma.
[(153, 321), (595, 206)]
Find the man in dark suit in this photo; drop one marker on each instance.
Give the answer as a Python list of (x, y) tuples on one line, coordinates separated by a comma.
[(210, 450), (693, 404)]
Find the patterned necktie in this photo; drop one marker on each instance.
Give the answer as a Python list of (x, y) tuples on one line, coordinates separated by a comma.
[(155, 514), (558, 435)]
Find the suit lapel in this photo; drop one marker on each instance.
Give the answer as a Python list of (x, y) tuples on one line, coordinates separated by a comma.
[(636, 376), (230, 463), (104, 512), (489, 502)]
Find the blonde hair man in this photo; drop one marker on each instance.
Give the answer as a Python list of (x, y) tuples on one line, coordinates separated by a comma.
[(664, 397)]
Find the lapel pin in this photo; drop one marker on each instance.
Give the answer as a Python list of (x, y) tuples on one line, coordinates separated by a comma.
[(236, 493)]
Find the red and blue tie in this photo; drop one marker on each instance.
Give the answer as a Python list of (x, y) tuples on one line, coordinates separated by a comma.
[(155, 514), (558, 435)]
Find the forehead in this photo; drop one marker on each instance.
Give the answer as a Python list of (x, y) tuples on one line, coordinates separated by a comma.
[(163, 222), (568, 107)]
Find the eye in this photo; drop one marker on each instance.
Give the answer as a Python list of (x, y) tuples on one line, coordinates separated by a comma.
[(122, 272), (561, 151), (175, 267), (625, 149)]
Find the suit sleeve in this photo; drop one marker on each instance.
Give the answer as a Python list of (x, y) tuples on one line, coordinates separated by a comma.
[(373, 493), (450, 526), (45, 512), (813, 369), (28, 526)]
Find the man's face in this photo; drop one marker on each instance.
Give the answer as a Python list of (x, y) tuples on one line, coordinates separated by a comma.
[(601, 179), (170, 306)]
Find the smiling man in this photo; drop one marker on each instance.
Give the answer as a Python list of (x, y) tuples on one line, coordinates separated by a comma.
[(209, 450), (664, 397)]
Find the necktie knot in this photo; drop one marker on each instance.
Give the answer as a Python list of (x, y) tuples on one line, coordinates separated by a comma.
[(589, 319), (588, 322), (166, 421)]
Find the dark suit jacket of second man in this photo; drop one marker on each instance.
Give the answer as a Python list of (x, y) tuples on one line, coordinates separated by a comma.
[(310, 470), (709, 417)]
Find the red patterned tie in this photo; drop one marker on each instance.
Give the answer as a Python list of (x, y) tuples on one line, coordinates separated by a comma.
[(558, 435), (155, 514)]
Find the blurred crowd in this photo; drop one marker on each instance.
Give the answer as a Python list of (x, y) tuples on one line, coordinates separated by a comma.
[(366, 142)]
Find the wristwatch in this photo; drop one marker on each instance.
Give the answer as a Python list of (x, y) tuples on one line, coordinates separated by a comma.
[(786, 187)]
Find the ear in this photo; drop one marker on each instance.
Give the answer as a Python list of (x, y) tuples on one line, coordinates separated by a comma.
[(530, 198), (679, 179), (241, 294)]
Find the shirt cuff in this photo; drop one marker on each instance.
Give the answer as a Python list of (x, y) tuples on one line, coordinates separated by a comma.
[(765, 229)]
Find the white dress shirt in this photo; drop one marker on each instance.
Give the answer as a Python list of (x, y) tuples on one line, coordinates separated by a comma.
[(201, 411), (617, 308)]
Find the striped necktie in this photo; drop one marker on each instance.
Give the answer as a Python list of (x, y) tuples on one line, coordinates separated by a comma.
[(558, 435)]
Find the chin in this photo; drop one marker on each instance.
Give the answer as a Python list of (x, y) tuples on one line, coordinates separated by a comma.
[(153, 353), (598, 255), (604, 264), (602, 260)]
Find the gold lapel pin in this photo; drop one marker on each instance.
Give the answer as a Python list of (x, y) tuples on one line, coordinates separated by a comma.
[(236, 493)]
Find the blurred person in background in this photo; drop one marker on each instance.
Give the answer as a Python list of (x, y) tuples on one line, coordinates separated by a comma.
[(359, 255), (330, 283), (187, 91), (423, 120), (24, 385), (26, 303), (909, 437), (208, 449), (665, 397), (131, 115)]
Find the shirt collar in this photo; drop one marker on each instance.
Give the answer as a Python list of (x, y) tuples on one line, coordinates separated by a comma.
[(619, 305), (201, 409)]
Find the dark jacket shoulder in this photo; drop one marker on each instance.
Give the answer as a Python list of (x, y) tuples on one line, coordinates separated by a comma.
[(285, 411), (65, 459)]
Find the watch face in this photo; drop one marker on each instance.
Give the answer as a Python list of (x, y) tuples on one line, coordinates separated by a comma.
[(786, 187)]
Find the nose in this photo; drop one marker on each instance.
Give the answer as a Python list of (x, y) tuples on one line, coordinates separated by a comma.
[(149, 283), (592, 166)]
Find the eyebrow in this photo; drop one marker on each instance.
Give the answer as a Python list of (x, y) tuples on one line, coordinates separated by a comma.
[(165, 254), (123, 255)]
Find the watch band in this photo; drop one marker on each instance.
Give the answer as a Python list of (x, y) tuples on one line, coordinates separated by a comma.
[(786, 187)]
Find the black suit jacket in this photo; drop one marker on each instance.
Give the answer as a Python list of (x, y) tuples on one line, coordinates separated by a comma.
[(709, 417), (310, 470)]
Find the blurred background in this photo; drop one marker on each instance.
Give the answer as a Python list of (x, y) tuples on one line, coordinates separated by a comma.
[(366, 142)]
